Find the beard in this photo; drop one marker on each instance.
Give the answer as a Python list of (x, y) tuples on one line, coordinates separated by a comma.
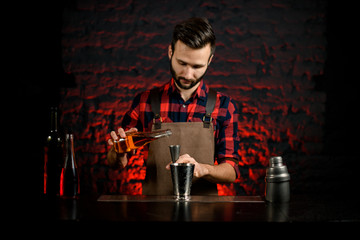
[(177, 79)]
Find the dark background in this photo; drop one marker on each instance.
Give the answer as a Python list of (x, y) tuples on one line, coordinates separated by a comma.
[(65, 62)]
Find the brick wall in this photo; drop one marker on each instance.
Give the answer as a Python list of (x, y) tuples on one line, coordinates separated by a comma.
[(268, 56)]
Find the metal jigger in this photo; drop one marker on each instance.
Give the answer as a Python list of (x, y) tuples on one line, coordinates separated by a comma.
[(175, 152)]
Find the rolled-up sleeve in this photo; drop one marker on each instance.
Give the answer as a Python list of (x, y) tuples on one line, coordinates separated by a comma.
[(227, 139)]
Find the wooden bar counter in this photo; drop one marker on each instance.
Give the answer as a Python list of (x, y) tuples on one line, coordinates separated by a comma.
[(125, 208)]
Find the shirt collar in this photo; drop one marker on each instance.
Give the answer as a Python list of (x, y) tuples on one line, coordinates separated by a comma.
[(199, 93)]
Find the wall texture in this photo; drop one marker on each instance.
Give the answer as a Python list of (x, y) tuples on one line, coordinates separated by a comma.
[(268, 57)]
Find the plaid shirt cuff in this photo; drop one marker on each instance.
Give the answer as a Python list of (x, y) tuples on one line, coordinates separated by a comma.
[(233, 162)]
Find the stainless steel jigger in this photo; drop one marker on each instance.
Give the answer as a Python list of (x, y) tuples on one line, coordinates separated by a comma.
[(175, 152)]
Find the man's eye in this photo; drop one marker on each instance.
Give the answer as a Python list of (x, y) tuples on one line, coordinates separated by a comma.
[(182, 63)]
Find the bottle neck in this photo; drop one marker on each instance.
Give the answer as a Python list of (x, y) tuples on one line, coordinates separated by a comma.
[(70, 153), (54, 120)]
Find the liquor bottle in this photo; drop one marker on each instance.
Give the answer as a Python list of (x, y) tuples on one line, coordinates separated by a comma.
[(134, 140), (69, 179), (53, 157)]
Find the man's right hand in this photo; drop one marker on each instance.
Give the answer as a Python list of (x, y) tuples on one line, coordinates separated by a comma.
[(117, 160)]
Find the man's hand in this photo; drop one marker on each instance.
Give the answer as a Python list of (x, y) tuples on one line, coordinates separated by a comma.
[(222, 173), (117, 160), (200, 170)]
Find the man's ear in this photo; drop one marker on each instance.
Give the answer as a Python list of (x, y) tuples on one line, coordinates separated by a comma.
[(210, 58), (170, 52)]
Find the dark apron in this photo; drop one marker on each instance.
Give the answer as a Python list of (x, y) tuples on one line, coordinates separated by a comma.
[(195, 138)]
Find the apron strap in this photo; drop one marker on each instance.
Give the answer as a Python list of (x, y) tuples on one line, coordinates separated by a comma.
[(155, 106), (210, 105)]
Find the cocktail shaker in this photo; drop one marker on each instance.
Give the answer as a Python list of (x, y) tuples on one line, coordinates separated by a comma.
[(277, 181)]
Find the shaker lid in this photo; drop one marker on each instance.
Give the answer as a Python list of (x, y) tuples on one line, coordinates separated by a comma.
[(283, 177), (277, 172), (275, 161)]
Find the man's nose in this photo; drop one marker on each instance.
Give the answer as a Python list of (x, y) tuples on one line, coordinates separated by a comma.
[(188, 72)]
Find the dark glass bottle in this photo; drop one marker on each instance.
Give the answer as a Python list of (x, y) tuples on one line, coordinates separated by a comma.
[(69, 179), (53, 159)]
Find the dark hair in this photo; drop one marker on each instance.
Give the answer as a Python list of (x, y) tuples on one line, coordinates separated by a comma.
[(195, 33)]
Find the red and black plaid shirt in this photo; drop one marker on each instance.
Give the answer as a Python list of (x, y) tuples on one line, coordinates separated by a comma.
[(174, 109)]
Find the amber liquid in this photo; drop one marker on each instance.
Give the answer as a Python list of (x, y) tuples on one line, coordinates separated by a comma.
[(131, 143), (137, 140)]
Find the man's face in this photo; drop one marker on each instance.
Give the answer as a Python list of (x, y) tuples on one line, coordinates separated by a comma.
[(188, 65)]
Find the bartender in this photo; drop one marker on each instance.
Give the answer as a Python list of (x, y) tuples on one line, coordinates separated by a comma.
[(204, 122)]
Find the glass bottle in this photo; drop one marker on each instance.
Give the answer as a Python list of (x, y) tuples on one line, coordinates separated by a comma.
[(69, 179), (134, 140), (53, 157)]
